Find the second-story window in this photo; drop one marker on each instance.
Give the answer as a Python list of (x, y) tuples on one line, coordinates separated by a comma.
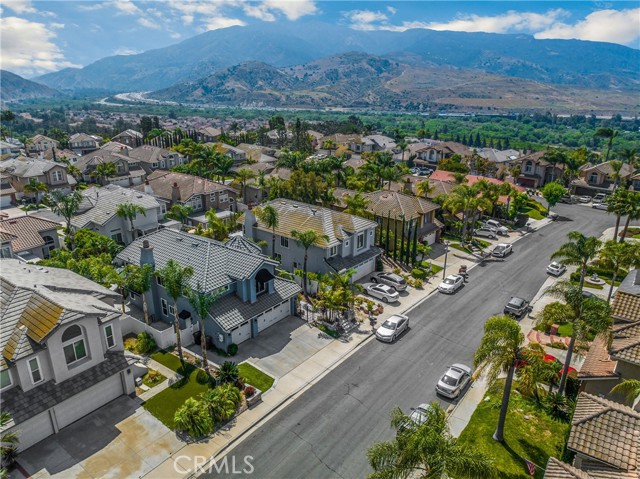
[(108, 336), (593, 178), (333, 251), (73, 344), (284, 242), (5, 378), (34, 369), (361, 240), (56, 176)]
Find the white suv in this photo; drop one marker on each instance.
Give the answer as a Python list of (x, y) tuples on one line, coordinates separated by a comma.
[(496, 225), (486, 232)]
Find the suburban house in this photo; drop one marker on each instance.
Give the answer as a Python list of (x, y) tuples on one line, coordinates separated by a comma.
[(56, 154), (258, 153), (256, 189), (128, 169), (41, 143), (432, 151), (8, 150), (22, 169), (97, 212), (81, 143), (535, 172), (7, 192), (635, 182), (238, 155), (153, 158), (250, 295), (201, 194), (34, 237), (378, 143), (446, 176), (208, 134), (62, 351), (6, 250), (350, 244), (600, 178), (131, 138)]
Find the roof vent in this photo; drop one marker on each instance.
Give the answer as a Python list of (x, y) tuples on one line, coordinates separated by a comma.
[(195, 245), (314, 211), (179, 239)]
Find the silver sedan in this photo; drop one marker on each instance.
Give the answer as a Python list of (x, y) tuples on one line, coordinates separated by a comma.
[(454, 381), (384, 292)]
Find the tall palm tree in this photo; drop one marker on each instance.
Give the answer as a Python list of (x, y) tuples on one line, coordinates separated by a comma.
[(65, 206), (426, 450), (8, 444), (616, 258), (357, 205), (179, 213), (632, 210), (330, 146), (222, 166), (306, 239), (402, 145), (202, 303), (466, 200), (35, 187), (498, 352), (141, 283), (628, 387), (589, 316), (578, 251), (617, 203), (175, 279), (609, 134), (243, 175), (630, 155), (217, 230), (129, 211), (424, 189), (103, 171), (270, 217), (616, 166)]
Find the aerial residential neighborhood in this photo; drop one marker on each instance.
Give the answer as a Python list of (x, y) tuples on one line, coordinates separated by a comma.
[(314, 239)]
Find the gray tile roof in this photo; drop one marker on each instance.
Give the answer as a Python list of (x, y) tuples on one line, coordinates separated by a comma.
[(23, 167), (214, 264), (24, 405), (242, 244), (230, 311), (340, 263), (99, 204), (102, 156), (151, 154)]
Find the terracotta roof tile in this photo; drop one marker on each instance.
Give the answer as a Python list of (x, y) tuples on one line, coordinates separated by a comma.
[(626, 343), (27, 230), (626, 307), (557, 469), (597, 363)]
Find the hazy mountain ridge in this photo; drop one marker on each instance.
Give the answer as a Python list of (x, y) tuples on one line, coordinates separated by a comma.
[(14, 87)]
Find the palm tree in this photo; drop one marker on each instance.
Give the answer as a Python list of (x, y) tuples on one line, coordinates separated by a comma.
[(498, 352), (220, 402), (632, 210), (357, 205), (424, 189), (179, 213), (222, 165), (616, 166), (617, 204), (202, 303), (228, 372), (270, 217), (589, 316), (217, 229), (8, 444), (630, 155), (628, 387), (578, 252), (34, 187), (129, 211), (306, 239), (609, 134), (103, 171), (175, 279), (402, 145), (466, 199), (426, 450), (616, 258), (140, 282), (330, 146), (243, 175), (8, 116), (65, 206)]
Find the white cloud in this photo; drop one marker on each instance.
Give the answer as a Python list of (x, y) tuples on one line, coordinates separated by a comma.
[(509, 21), (146, 22), (292, 9), (222, 22), (20, 6), (175, 35), (616, 26), (260, 12), (126, 7), (126, 51), (27, 48), (56, 26), (365, 19)]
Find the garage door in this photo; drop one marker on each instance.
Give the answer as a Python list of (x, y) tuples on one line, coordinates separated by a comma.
[(241, 333), (34, 430), (271, 317), (364, 269), (5, 201), (88, 401)]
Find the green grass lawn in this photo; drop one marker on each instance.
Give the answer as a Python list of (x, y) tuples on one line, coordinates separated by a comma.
[(255, 377), (532, 213), (565, 330), (167, 359), (152, 378), (459, 247), (435, 269), (534, 439)]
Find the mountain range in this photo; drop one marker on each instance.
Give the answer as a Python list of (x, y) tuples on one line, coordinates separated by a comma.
[(14, 87)]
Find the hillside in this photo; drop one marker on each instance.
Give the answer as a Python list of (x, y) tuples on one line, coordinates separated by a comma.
[(572, 62), (357, 80), (14, 87)]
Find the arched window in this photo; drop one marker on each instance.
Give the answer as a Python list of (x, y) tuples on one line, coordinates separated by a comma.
[(73, 344)]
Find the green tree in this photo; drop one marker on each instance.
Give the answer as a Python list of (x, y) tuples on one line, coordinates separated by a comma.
[(217, 229), (357, 205), (628, 387), (608, 134), (175, 279), (617, 258), (578, 251), (535, 370), (8, 445), (202, 302), (228, 372), (8, 116), (179, 213), (269, 216), (194, 418), (632, 211), (140, 282), (103, 172), (130, 211), (498, 352), (467, 200), (618, 204), (243, 175), (35, 187), (306, 239), (221, 401), (426, 450), (66, 206), (552, 192), (424, 189), (630, 155)]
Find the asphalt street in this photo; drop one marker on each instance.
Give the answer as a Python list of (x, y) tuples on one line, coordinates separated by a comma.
[(326, 431)]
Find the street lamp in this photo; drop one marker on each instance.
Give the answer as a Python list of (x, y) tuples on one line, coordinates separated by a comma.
[(446, 252)]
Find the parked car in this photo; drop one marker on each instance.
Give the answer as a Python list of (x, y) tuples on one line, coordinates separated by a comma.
[(556, 269), (516, 307), (392, 328), (390, 279), (417, 417), (486, 232), (501, 250), (570, 199), (600, 206), (496, 225), (600, 197), (451, 284), (584, 199), (386, 293), (454, 380)]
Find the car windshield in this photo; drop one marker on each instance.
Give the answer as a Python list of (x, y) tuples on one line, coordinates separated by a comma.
[(448, 281), (500, 248), (389, 325), (449, 381), (516, 302)]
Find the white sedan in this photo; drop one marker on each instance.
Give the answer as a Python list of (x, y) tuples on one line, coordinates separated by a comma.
[(556, 269), (392, 328), (454, 381), (585, 199), (600, 206), (501, 250), (386, 293), (451, 284)]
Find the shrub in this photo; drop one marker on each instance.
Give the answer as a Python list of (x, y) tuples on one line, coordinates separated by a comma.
[(396, 270), (222, 401), (146, 343), (232, 350), (249, 391), (379, 264), (558, 345), (131, 344), (202, 377), (417, 283), (193, 417), (228, 372), (554, 313), (418, 273)]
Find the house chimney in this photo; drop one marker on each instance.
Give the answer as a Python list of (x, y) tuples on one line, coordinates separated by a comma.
[(249, 224), (147, 187), (175, 193), (146, 254)]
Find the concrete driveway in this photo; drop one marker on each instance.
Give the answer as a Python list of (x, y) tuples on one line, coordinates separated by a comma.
[(118, 440)]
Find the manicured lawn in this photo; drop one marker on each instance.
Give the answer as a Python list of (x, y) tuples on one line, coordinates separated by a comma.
[(167, 359), (565, 330), (532, 213), (255, 377), (535, 438), (459, 247), (152, 378), (435, 269)]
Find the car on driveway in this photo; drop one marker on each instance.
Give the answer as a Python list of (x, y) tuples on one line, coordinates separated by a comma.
[(390, 279), (516, 307), (600, 198), (569, 199), (501, 250), (451, 284), (454, 380), (496, 225), (386, 293), (556, 269), (486, 232), (600, 206), (584, 199), (392, 328)]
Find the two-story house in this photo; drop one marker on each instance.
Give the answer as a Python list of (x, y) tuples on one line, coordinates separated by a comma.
[(81, 143), (350, 243), (21, 170), (535, 171), (9, 150), (130, 138), (128, 171), (431, 152), (6, 250), (62, 352), (154, 158), (250, 296), (600, 178), (34, 237), (236, 154), (208, 134), (97, 212), (39, 143), (7, 191), (200, 194)]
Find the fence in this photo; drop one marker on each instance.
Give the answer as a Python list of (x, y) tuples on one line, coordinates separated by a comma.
[(164, 337)]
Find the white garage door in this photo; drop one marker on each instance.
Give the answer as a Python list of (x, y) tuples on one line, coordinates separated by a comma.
[(88, 401), (34, 430), (364, 269), (241, 333), (272, 316)]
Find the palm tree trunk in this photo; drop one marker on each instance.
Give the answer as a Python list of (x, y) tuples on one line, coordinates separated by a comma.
[(613, 281), (583, 273), (123, 293), (203, 346), (615, 232), (273, 244), (145, 310), (176, 324), (567, 362), (626, 227), (504, 407)]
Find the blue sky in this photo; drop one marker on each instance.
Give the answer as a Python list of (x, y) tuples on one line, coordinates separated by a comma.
[(43, 36)]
